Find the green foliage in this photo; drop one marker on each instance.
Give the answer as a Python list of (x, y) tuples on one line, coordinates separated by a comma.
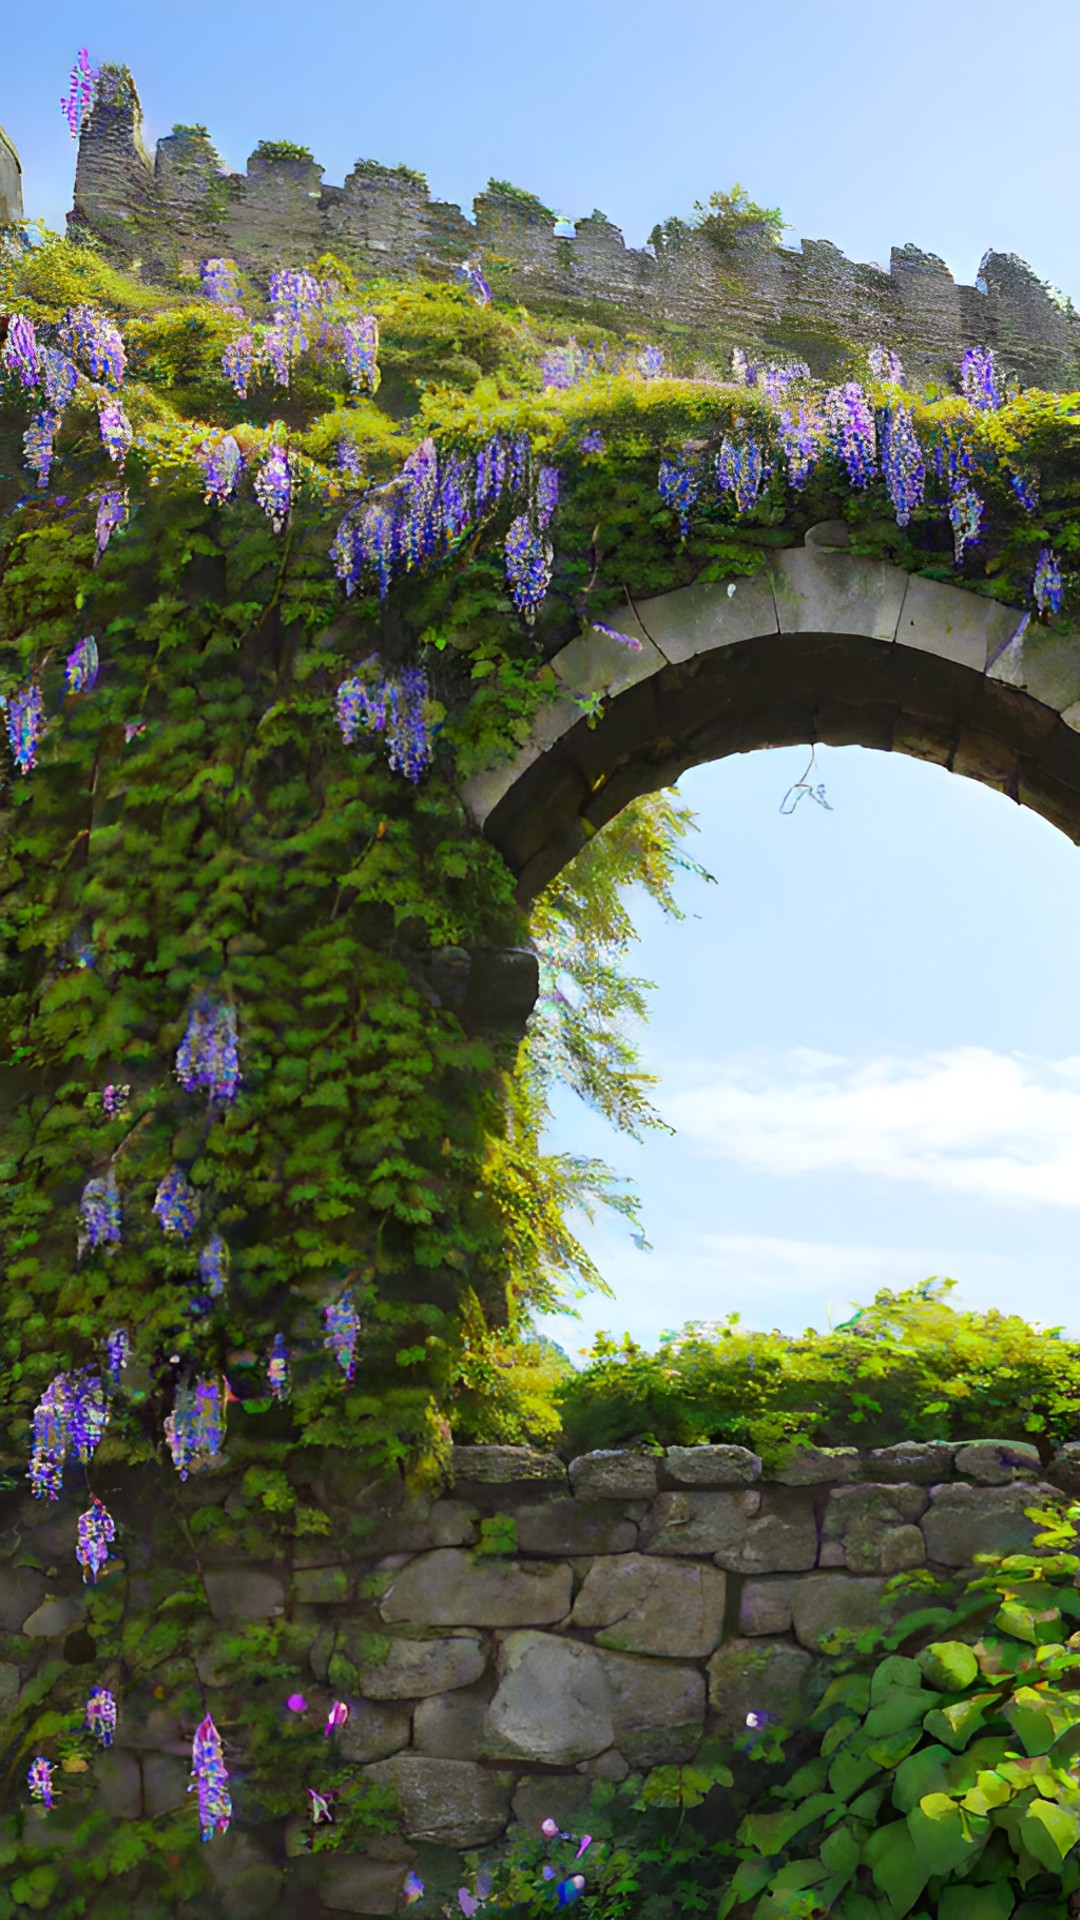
[(528, 202), (277, 151), (723, 219), (498, 1535)]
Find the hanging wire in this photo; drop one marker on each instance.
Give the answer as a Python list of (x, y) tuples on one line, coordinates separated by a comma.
[(803, 786)]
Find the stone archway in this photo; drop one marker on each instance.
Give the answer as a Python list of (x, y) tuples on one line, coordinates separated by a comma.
[(823, 646)]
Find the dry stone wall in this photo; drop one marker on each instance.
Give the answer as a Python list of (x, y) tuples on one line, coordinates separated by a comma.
[(182, 207), (647, 1601)]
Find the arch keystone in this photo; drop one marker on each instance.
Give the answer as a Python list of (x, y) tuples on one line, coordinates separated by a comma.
[(822, 591)]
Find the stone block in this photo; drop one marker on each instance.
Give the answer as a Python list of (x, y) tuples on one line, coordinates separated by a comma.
[(450, 1588), (416, 1667), (718, 1466), (614, 1474), (452, 1803), (765, 1606), (821, 592), (996, 1463), (373, 1731), (1045, 665), (418, 1525), (165, 1783), (255, 1891), (597, 664), (963, 1520), (611, 1765), (244, 1593), (505, 1466), (574, 1526), (1064, 1468), (953, 622), (747, 1532), (450, 1726), (918, 1462), (482, 791), (118, 1783), (698, 619), (21, 1592), (821, 1602), (746, 1676), (57, 1614), (552, 1705), (869, 1529), (553, 1796), (658, 1708), (818, 1466), (645, 1605), (9, 1687), (320, 1586), (353, 1883)]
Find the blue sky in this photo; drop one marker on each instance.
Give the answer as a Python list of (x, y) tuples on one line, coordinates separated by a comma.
[(869, 1040)]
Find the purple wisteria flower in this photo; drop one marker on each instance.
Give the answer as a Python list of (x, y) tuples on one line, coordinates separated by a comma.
[(547, 494), (529, 560), (343, 1326), (965, 515), (278, 345), (850, 423), (96, 1530), (1047, 586), (455, 506), (176, 1204), (360, 703), (902, 461), (195, 1428), (117, 1352), (207, 1055), (420, 527), (40, 1774), (775, 381), (111, 514), (81, 670), (237, 362), (210, 1777), (650, 363), (978, 378), (886, 366), (222, 464), (25, 721), (273, 487), (90, 339), (293, 293), (80, 95), (52, 1437), (101, 1715), (742, 470), (1026, 488), (38, 444), (59, 378), (214, 1265), (89, 1414), (679, 485), (221, 283), (349, 459), (360, 341), (626, 639), (470, 272), (116, 431), (743, 371), (492, 464), (21, 354), (277, 1369), (798, 438), (954, 456), (591, 442), (562, 367), (100, 1212), (408, 741)]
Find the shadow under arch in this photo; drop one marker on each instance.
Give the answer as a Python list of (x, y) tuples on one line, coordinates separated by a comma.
[(823, 648)]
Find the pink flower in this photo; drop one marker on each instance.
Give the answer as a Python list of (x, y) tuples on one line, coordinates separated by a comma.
[(296, 1703), (339, 1713)]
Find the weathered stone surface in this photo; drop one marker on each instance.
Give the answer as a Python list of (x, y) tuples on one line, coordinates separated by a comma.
[(449, 1588), (416, 1667), (118, 1783), (963, 1520), (705, 616), (953, 623), (165, 1783), (421, 1524), (9, 1686), (645, 1605), (815, 1605), (717, 1466), (658, 1708), (504, 1466), (553, 1796), (21, 1593), (606, 1766), (996, 1463), (1064, 1469), (746, 1676), (450, 1726), (244, 1593), (821, 592), (915, 1462), (353, 1883), (745, 1532), (374, 1730), (57, 1614), (869, 1529), (765, 1606), (453, 1803), (597, 664), (574, 1526), (320, 1586), (814, 1466), (552, 1704), (613, 1474), (255, 1891)]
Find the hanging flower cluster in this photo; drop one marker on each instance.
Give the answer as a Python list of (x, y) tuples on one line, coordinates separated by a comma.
[(176, 1204), (850, 422), (101, 1715), (116, 431), (207, 1056), (360, 342), (978, 378), (237, 363), (902, 462), (111, 513), (886, 366), (798, 439), (222, 464), (273, 487), (90, 340), (25, 720), (679, 485), (547, 494), (1047, 585), (277, 1369), (210, 1777), (214, 1265), (81, 670), (221, 283), (394, 707), (471, 273), (99, 1210), (741, 470), (195, 1428), (117, 1350), (71, 1416), (20, 355), (96, 1531), (591, 442), (1026, 488), (773, 381), (425, 511), (80, 95), (40, 1779), (529, 559), (965, 516), (650, 363), (38, 444), (343, 1326)]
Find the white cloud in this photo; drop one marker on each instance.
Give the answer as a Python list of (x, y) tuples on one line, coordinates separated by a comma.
[(1003, 1127)]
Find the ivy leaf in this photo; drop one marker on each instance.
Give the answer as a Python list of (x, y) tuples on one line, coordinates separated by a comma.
[(1049, 1831)]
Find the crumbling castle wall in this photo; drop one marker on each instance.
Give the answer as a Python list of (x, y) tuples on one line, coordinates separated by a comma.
[(182, 207), (11, 206)]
